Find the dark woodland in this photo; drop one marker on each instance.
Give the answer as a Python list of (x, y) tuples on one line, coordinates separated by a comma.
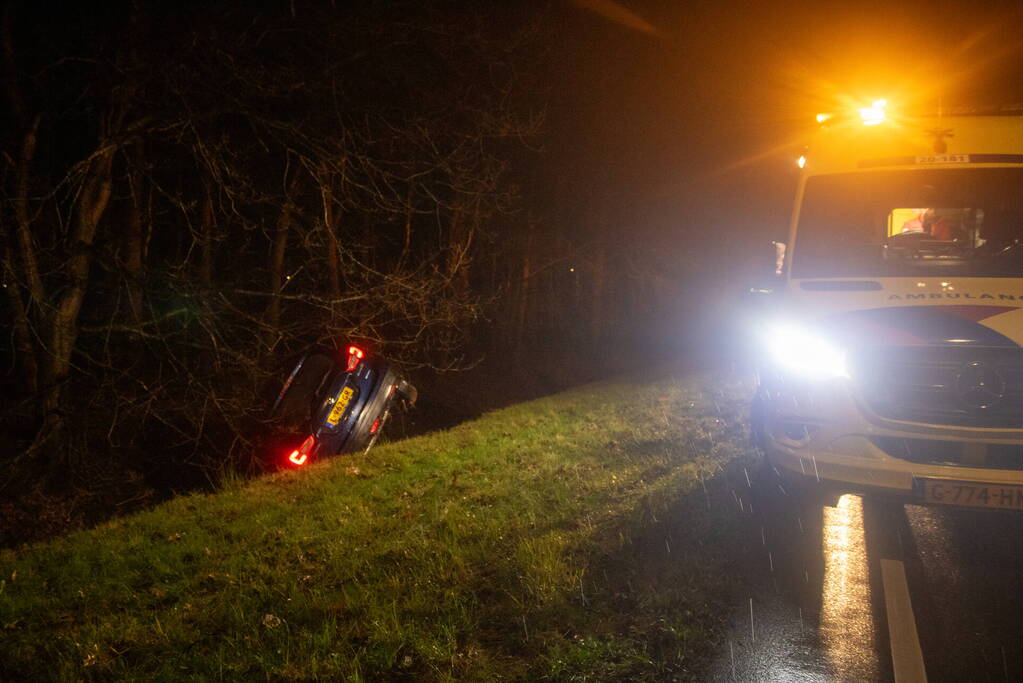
[(192, 196)]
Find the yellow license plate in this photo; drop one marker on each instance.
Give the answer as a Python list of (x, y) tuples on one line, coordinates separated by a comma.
[(339, 407), (972, 494)]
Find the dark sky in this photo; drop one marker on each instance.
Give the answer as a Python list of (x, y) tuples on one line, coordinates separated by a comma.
[(700, 107)]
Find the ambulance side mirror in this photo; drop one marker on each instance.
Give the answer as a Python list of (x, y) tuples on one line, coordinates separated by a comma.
[(770, 277), (779, 258)]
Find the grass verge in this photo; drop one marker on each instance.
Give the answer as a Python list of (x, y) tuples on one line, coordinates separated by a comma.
[(568, 538)]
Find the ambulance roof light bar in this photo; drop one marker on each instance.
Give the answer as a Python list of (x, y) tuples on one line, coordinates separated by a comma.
[(869, 116), (874, 114)]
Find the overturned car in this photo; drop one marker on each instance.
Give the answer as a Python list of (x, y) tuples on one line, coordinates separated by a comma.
[(334, 403)]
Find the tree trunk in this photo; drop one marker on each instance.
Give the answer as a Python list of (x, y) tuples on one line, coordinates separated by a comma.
[(597, 304), (209, 229), (133, 239), (330, 221), (93, 199), (460, 237), (13, 89), (277, 264), (525, 284), (22, 328), (454, 240), (280, 247), (407, 244), (26, 244), (31, 280)]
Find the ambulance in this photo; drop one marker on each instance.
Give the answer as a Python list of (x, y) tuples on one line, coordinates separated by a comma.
[(894, 345)]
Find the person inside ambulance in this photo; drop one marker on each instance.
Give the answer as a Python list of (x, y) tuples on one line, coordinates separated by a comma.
[(916, 223), (936, 226), (928, 222)]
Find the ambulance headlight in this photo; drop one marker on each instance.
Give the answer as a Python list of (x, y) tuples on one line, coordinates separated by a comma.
[(804, 353)]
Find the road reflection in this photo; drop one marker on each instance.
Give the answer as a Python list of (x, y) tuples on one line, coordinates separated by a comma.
[(847, 628)]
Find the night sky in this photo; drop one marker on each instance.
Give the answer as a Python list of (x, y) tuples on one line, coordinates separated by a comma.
[(701, 107)]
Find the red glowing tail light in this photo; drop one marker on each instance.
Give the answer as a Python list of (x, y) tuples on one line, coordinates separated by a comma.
[(355, 354), (375, 427), (300, 455)]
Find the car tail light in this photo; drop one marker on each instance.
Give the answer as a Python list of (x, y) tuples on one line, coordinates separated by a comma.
[(375, 427), (300, 455), (355, 355)]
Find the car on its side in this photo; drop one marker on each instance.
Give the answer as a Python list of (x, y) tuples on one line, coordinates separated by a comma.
[(334, 403)]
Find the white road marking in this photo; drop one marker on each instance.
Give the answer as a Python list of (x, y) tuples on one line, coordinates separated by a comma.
[(907, 658)]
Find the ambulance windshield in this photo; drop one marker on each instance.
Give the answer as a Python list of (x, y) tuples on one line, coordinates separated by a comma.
[(912, 223)]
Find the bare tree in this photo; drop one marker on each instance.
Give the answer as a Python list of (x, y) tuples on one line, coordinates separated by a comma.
[(217, 209)]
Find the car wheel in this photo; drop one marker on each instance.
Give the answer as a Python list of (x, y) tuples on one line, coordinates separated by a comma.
[(406, 391)]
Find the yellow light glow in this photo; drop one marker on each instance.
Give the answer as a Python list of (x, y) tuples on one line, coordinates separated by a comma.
[(846, 619), (874, 114), (801, 161), (822, 117)]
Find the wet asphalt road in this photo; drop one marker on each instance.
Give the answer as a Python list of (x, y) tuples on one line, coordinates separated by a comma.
[(873, 590)]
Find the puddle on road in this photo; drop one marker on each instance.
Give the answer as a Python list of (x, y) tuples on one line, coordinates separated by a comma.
[(799, 628), (847, 624)]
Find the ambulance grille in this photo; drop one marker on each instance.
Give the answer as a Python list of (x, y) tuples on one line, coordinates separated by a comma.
[(963, 386)]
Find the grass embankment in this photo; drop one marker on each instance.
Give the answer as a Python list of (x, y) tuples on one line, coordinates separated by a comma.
[(561, 538)]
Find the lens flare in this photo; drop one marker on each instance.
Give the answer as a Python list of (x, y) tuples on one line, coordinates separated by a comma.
[(874, 114), (804, 353)]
